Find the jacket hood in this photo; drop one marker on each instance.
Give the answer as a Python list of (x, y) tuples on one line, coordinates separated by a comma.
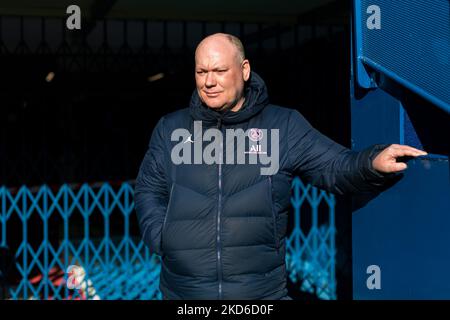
[(256, 98)]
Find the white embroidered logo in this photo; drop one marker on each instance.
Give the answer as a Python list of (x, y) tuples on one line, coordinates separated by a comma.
[(189, 139)]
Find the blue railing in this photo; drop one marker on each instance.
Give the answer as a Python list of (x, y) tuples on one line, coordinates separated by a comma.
[(49, 230)]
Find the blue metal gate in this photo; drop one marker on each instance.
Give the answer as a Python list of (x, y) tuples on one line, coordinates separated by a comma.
[(120, 267)]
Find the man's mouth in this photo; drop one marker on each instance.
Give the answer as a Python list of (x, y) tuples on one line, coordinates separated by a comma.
[(212, 94)]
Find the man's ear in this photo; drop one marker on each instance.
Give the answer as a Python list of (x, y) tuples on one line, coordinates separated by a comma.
[(246, 69)]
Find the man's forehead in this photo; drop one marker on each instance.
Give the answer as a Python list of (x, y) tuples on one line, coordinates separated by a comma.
[(216, 44), (214, 57)]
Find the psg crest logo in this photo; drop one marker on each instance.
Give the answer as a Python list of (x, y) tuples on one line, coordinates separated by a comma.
[(255, 134)]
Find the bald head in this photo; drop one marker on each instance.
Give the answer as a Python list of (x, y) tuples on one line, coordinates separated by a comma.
[(221, 71), (227, 40)]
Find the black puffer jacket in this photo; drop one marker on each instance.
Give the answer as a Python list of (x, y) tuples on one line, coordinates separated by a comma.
[(220, 228)]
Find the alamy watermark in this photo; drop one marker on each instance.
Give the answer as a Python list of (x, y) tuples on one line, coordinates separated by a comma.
[(374, 20), (190, 148), (74, 20), (374, 280)]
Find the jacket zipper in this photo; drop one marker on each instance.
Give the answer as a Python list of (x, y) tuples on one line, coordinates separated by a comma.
[(219, 211), (274, 217)]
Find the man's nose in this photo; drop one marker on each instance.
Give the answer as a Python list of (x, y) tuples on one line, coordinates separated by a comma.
[(210, 80)]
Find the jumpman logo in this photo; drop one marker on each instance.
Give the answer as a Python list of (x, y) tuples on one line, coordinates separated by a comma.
[(189, 139)]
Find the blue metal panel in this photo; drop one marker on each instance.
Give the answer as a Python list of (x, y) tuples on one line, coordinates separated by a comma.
[(412, 46), (405, 231), (375, 119)]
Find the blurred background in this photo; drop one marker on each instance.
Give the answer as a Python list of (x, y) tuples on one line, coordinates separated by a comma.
[(78, 108)]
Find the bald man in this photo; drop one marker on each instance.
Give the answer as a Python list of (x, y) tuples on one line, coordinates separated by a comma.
[(213, 191)]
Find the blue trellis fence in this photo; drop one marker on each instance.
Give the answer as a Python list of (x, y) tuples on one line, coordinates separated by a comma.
[(47, 230)]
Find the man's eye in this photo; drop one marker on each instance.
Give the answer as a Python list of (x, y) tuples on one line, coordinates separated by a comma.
[(200, 72), (221, 71)]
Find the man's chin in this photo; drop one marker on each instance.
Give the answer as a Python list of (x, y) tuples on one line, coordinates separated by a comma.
[(216, 106)]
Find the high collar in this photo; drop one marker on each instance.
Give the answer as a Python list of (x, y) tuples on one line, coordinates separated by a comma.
[(256, 99)]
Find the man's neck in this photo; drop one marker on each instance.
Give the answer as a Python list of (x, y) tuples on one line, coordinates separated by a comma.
[(238, 105)]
